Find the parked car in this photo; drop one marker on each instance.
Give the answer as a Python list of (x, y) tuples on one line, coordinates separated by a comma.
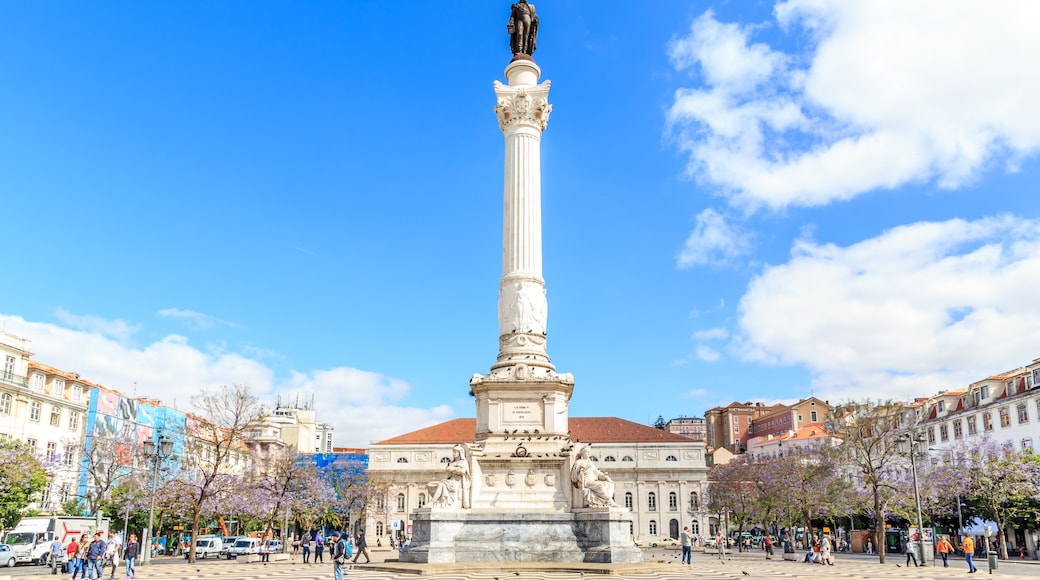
[(208, 547), (709, 542), (273, 546), (7, 556), (243, 546), (658, 542)]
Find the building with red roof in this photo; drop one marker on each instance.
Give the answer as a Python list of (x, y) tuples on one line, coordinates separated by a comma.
[(660, 476)]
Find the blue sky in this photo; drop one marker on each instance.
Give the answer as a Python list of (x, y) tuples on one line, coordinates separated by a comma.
[(749, 201)]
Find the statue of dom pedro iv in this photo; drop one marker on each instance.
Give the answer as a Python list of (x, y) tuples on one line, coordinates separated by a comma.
[(522, 28)]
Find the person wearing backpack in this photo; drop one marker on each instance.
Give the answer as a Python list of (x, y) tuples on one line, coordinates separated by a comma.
[(340, 554)]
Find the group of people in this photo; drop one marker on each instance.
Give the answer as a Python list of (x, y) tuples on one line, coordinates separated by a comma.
[(944, 548), (315, 544), (820, 550), (90, 559)]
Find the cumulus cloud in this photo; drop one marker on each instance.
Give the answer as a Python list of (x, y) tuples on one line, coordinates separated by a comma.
[(883, 94), (713, 241), (362, 405), (921, 307)]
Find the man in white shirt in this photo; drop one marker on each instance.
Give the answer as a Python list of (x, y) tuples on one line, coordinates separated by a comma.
[(687, 546)]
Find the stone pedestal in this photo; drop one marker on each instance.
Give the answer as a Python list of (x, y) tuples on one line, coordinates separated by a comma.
[(595, 535)]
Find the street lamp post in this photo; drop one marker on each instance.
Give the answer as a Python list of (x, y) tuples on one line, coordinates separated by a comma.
[(155, 452), (913, 439)]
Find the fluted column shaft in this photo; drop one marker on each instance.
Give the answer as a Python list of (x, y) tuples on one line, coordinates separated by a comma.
[(523, 112), (522, 227)]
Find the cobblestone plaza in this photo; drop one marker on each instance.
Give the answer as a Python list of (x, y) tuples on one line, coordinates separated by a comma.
[(658, 563)]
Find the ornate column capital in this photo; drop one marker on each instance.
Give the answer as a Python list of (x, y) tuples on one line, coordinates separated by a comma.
[(522, 105)]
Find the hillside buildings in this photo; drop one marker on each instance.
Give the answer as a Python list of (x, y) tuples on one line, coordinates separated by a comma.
[(690, 427)]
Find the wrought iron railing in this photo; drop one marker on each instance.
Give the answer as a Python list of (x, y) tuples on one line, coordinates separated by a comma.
[(13, 379)]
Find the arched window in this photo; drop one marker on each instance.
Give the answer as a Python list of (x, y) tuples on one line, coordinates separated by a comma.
[(653, 527), (445, 460), (670, 458), (628, 499), (626, 458), (611, 457), (5, 404), (422, 499), (379, 502), (651, 500), (402, 460), (379, 528), (673, 528), (673, 501), (694, 502), (400, 502), (695, 527), (594, 458)]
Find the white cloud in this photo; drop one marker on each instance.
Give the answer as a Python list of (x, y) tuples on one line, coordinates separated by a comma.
[(117, 329), (883, 94), (193, 318), (707, 354), (726, 58), (362, 405), (370, 403), (713, 241), (919, 308)]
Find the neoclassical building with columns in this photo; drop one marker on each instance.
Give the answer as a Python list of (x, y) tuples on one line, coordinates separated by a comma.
[(662, 477)]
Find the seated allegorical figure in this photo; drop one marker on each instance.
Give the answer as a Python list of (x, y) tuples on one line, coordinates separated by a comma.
[(453, 491), (597, 489)]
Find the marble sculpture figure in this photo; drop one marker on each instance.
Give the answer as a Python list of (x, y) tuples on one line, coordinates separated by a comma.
[(453, 491), (597, 489)]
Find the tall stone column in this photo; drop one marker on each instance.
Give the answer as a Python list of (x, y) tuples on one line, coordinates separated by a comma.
[(523, 394), (523, 112)]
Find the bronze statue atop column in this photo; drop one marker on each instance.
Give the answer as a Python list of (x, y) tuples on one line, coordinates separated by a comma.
[(523, 29)]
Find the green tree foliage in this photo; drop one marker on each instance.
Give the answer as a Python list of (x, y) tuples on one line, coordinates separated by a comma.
[(22, 479)]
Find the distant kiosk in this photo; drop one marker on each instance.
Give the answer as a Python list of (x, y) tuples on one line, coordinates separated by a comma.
[(523, 492)]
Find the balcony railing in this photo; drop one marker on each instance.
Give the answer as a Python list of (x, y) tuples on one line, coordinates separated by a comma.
[(13, 379)]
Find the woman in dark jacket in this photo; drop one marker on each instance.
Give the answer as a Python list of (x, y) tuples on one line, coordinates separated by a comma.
[(130, 554)]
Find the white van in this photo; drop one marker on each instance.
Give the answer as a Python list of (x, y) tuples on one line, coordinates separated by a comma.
[(243, 546), (208, 547)]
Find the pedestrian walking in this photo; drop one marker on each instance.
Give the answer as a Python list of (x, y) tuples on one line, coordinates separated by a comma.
[(319, 548), (687, 546), (340, 552), (130, 555), (910, 549), (295, 546), (768, 543), (111, 558), (73, 555), (362, 547), (94, 556), (944, 548), (969, 553), (307, 542), (825, 550), (55, 555)]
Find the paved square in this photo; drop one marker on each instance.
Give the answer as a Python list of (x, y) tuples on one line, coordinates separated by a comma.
[(663, 564)]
